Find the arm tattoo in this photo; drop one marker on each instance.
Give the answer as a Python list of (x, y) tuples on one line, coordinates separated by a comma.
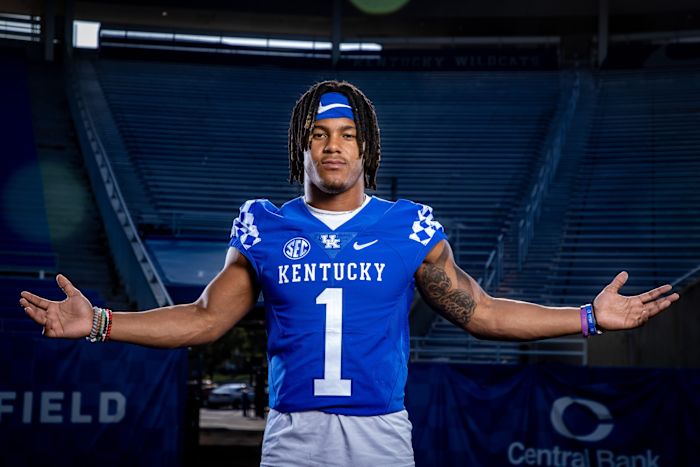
[(457, 305)]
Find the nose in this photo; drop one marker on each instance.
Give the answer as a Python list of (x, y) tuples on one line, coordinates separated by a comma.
[(332, 144)]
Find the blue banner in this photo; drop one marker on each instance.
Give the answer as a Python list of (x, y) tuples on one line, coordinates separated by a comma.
[(551, 415), (70, 403)]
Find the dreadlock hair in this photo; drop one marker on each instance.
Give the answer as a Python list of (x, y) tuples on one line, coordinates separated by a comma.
[(304, 116)]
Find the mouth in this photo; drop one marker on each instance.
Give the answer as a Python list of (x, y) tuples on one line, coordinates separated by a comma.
[(333, 164)]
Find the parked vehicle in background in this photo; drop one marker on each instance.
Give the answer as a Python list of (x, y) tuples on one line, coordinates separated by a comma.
[(226, 395)]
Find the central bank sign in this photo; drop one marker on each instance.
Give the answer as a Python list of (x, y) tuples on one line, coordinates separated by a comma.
[(588, 454)]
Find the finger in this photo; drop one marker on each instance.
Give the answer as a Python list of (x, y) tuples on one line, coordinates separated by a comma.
[(39, 316), (661, 304), (643, 317), (618, 282), (66, 286), (35, 300), (654, 294)]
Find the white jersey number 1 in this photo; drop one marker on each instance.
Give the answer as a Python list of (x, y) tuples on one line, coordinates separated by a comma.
[(331, 384)]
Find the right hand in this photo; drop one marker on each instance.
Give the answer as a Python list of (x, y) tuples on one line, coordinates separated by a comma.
[(70, 318)]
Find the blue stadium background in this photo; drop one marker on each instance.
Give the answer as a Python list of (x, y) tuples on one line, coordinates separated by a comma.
[(557, 146)]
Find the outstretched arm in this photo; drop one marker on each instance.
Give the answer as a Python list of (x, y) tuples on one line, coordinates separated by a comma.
[(460, 299), (227, 298)]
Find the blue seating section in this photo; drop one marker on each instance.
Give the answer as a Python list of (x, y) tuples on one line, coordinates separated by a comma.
[(636, 205), (26, 250), (25, 244), (202, 139), (465, 143)]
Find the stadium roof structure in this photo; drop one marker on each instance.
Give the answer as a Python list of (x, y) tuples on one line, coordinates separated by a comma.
[(409, 18)]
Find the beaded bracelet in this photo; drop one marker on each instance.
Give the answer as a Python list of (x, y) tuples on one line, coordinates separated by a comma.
[(589, 326), (108, 326), (95, 323), (100, 322), (101, 325), (103, 321)]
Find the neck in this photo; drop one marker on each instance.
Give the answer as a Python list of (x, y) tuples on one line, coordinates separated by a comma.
[(345, 201)]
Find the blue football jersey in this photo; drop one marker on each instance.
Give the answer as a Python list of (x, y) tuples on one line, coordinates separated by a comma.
[(337, 301)]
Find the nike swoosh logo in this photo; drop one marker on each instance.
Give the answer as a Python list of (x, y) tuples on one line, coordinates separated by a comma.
[(358, 246), (323, 108)]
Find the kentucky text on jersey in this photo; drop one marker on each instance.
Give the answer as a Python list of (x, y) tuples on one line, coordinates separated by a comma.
[(324, 272)]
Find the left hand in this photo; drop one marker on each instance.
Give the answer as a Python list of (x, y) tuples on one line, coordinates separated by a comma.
[(614, 311)]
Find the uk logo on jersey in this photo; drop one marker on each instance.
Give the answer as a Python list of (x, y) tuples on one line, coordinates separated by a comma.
[(330, 241), (296, 248)]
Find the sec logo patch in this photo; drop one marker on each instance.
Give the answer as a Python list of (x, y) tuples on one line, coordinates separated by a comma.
[(296, 248)]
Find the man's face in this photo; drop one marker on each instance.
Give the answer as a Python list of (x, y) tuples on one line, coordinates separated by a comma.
[(332, 163)]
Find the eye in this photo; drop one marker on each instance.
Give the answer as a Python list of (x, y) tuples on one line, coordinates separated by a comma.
[(318, 135), (349, 136)]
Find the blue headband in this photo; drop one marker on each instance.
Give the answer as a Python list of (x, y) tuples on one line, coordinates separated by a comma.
[(334, 105)]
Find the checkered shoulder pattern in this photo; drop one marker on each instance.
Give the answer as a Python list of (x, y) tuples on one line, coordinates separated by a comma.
[(425, 226), (244, 228)]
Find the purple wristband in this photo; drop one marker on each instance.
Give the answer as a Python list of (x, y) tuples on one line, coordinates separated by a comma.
[(584, 321)]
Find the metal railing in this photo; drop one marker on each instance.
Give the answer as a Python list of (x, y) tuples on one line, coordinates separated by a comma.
[(468, 349), (140, 276), (553, 149), (492, 272), (493, 269)]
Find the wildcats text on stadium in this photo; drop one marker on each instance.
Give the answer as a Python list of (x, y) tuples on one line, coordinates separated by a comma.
[(324, 272)]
